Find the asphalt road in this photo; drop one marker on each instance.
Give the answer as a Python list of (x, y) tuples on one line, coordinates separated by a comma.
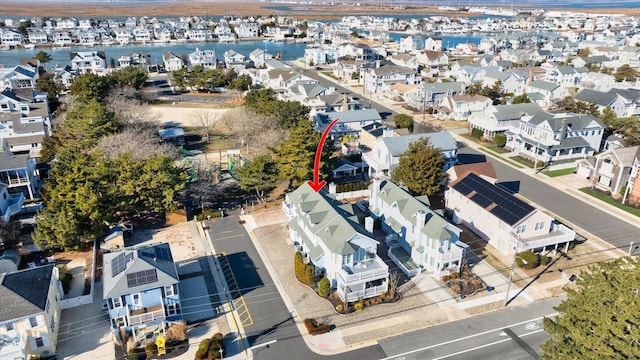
[(594, 219), (385, 112), (513, 333), (270, 317)]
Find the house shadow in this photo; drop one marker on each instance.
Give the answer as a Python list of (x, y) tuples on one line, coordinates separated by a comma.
[(471, 158), (511, 186), (243, 275)]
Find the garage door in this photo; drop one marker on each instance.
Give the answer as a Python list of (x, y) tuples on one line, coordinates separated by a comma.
[(583, 170)]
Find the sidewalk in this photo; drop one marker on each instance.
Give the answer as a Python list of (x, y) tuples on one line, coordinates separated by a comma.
[(426, 302)]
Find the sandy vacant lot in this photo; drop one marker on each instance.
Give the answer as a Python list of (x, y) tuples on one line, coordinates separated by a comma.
[(181, 114)]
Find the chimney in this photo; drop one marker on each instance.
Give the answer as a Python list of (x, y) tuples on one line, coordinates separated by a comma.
[(421, 218), (563, 130), (375, 188), (332, 188), (345, 102), (387, 133), (377, 64)]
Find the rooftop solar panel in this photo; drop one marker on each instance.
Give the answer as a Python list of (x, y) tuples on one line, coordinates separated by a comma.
[(118, 264), (142, 278)]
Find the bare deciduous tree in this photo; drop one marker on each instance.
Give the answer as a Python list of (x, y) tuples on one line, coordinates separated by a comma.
[(253, 130), (205, 187), (142, 144), (130, 112), (394, 280), (206, 122), (429, 127)]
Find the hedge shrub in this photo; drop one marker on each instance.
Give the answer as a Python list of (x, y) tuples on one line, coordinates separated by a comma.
[(477, 133), (500, 140), (313, 328), (324, 287)]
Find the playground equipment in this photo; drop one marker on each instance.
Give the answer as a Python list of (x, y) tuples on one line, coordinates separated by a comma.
[(232, 159)]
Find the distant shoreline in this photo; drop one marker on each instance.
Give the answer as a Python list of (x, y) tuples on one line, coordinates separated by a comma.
[(249, 8)]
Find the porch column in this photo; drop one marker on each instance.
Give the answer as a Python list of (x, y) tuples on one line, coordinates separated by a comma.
[(566, 247)]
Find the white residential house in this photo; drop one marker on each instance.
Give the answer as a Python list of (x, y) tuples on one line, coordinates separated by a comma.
[(62, 38), (461, 107), (566, 76), (247, 30), (30, 315), (37, 36), (379, 77), (433, 44), (419, 238), (345, 69), (162, 34), (549, 90), (123, 36), (610, 170), (10, 38), (140, 287), (361, 52), (432, 62), (19, 173), (23, 125), (428, 95), (204, 58), (141, 35), (551, 137), (500, 118), (224, 34), (172, 62), (329, 236), (349, 122), (625, 103), (86, 62), (199, 35), (259, 57), (18, 77), (385, 154), (234, 60), (507, 223), (410, 43), (598, 81), (405, 60)]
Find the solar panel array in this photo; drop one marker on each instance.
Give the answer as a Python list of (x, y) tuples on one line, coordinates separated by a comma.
[(142, 278), (508, 208), (162, 253), (118, 264)]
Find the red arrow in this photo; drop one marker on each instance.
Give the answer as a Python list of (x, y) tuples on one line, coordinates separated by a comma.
[(315, 184)]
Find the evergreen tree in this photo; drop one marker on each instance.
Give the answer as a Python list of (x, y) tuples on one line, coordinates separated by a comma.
[(420, 168), (90, 87), (130, 76), (625, 73), (609, 116), (521, 99), (295, 155), (86, 123), (260, 174), (599, 319)]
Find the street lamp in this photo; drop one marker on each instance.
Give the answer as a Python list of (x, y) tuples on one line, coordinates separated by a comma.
[(513, 266)]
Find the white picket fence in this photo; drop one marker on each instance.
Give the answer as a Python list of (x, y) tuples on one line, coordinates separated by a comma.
[(353, 194), (84, 299)]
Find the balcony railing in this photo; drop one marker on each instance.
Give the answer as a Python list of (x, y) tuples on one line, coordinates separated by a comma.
[(14, 206), (356, 274), (145, 315), (20, 180), (352, 296)]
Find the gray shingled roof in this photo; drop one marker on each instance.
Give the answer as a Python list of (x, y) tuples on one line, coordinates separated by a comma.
[(142, 258), (13, 161), (595, 97), (627, 155), (350, 116), (574, 121), (399, 144), (24, 293), (515, 111), (544, 85), (334, 223), (408, 206)]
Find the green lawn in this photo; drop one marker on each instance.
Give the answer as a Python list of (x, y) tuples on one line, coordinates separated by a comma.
[(497, 149), (608, 200), (504, 159), (522, 161), (559, 172)]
